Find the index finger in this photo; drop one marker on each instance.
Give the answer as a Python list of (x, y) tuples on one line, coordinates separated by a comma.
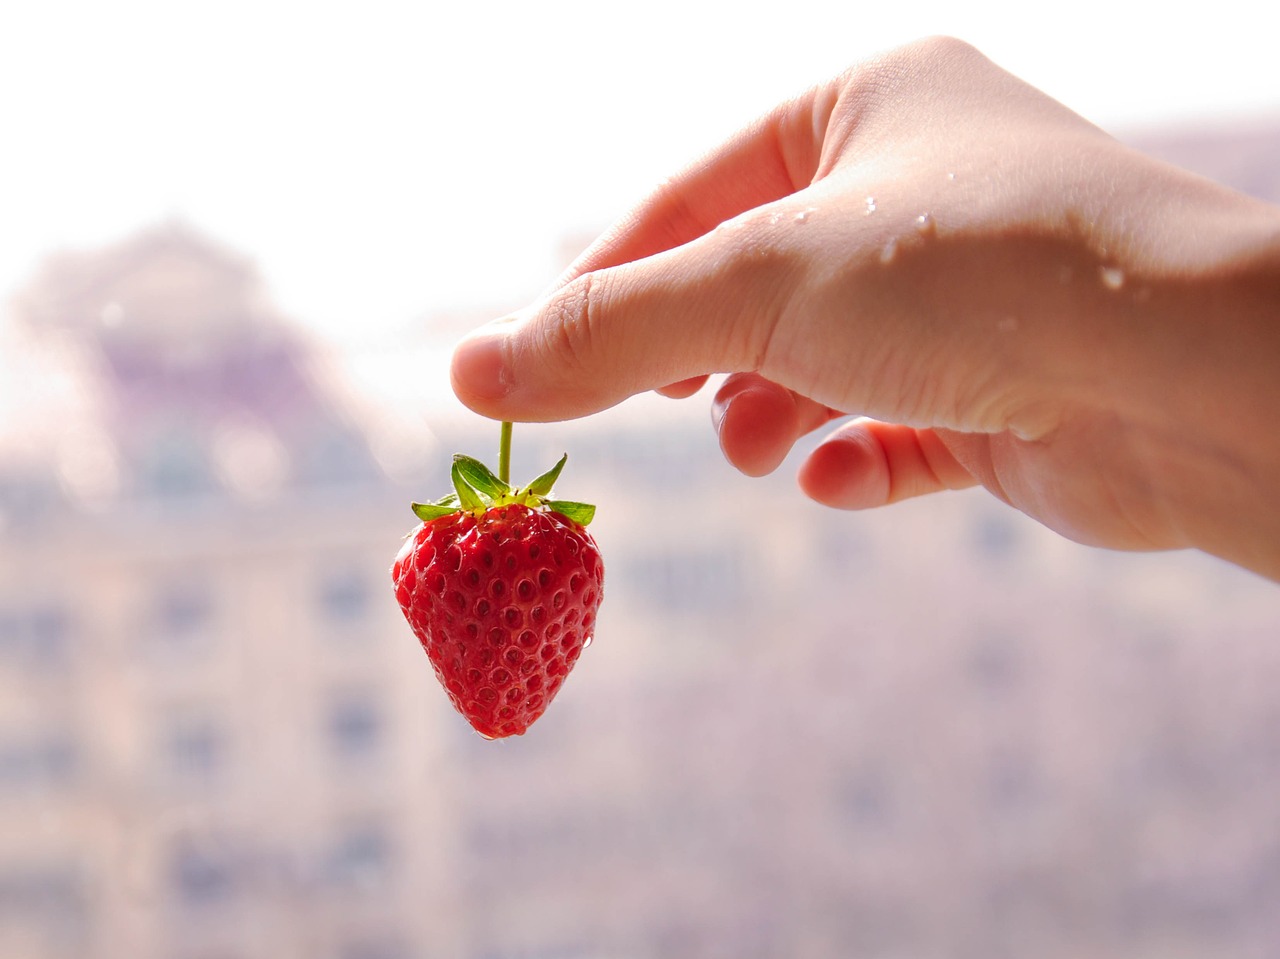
[(770, 159)]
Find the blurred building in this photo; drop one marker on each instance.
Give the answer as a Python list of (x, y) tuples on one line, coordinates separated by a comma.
[(210, 742), (934, 731)]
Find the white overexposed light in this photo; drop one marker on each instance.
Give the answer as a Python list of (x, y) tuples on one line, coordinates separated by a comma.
[(386, 160)]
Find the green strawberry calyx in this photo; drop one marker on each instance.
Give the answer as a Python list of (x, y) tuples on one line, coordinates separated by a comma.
[(477, 489)]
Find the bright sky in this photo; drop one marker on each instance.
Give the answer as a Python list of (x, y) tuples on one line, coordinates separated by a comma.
[(384, 160)]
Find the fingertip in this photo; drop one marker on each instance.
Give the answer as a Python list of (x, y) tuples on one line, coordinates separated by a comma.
[(868, 463), (479, 371), (757, 427), (846, 471), (682, 389)]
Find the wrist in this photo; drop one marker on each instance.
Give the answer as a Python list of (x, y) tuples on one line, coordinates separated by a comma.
[(1205, 331)]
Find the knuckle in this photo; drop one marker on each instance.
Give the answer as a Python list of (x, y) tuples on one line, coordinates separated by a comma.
[(762, 266), (926, 55), (916, 66), (572, 336), (940, 48)]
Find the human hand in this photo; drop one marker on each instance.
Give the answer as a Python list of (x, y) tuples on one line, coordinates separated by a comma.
[(1002, 292)]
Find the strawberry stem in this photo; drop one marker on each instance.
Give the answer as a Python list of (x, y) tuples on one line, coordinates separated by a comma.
[(504, 453)]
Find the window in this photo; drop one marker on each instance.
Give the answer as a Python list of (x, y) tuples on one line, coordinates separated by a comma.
[(354, 726), (994, 662), (360, 857), (703, 581), (26, 499), (333, 454), (996, 533), (176, 465), (183, 611), (345, 597), (194, 748), (183, 618), (1012, 781), (202, 872), (374, 947), (865, 797), (51, 893), (36, 635), (38, 759)]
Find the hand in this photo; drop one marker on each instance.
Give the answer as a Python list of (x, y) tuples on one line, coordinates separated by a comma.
[(1003, 293)]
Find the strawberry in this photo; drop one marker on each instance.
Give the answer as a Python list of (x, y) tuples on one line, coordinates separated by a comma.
[(501, 586)]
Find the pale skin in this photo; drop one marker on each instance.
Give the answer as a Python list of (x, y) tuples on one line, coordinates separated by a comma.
[(998, 292)]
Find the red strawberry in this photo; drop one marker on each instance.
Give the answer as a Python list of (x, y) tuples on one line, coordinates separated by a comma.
[(501, 587)]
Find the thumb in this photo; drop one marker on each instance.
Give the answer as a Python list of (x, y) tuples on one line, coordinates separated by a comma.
[(706, 307)]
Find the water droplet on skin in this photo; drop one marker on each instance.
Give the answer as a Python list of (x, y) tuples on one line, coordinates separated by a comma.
[(1112, 277), (925, 224), (951, 177), (871, 206), (774, 218), (889, 251), (803, 215)]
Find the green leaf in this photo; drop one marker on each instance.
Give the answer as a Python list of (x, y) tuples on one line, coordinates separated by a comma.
[(430, 511), (480, 476), (580, 513), (468, 498), (449, 499), (542, 485)]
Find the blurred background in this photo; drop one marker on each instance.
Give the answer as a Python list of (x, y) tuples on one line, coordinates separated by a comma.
[(237, 242)]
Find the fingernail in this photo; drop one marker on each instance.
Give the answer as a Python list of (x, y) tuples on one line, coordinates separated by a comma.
[(480, 367)]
